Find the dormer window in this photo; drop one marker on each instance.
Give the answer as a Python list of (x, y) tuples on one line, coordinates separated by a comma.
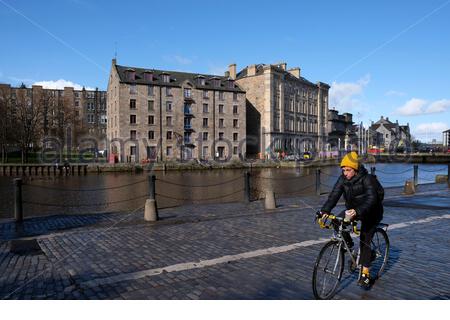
[(166, 77), (201, 81), (131, 74), (215, 82), (148, 76), (230, 84)]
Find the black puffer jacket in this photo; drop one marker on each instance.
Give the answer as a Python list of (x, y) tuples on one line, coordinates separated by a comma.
[(360, 193)]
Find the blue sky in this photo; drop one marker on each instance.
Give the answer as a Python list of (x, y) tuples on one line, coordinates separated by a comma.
[(381, 57)]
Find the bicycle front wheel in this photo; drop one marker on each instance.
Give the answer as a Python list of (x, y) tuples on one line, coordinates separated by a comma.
[(380, 252), (328, 270)]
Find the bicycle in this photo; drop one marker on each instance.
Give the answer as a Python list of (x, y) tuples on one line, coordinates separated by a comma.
[(330, 261)]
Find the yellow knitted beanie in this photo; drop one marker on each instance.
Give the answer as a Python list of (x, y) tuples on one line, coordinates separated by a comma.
[(350, 160)]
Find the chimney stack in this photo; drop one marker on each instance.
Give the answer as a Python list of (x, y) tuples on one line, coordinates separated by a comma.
[(251, 70), (295, 72), (232, 71), (282, 65)]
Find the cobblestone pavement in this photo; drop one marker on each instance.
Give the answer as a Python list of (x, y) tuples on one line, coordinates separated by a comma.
[(226, 251)]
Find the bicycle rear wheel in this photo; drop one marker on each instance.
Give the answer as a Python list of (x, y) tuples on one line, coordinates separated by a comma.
[(328, 270), (380, 252)]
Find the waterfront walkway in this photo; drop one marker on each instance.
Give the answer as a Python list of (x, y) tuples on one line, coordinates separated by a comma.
[(223, 251)]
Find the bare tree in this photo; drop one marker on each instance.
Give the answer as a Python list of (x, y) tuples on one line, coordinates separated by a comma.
[(26, 118), (5, 121)]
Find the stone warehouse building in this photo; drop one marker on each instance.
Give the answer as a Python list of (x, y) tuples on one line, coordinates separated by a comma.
[(286, 112), (164, 115), (340, 134), (390, 134), (66, 114)]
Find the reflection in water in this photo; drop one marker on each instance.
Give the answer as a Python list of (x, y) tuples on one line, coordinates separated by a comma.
[(45, 195)]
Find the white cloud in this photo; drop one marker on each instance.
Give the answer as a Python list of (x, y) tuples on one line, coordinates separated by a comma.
[(431, 128), (394, 93), (412, 107), (438, 106), (417, 106), (343, 95), (60, 84)]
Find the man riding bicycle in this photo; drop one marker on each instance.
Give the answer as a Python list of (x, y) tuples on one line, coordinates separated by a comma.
[(362, 197)]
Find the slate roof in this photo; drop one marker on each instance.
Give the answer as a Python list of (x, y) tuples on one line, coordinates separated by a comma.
[(176, 79)]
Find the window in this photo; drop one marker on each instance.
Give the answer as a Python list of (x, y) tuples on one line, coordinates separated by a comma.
[(205, 94), (205, 152), (166, 78), (221, 123), (169, 106), (133, 89), (169, 135), (205, 108), (133, 134), (220, 135), (77, 103), (131, 74), (205, 136), (187, 123), (132, 150), (235, 109), (132, 103), (150, 90), (235, 136), (387, 135), (150, 105), (221, 151), (168, 91), (235, 123), (169, 121), (235, 96), (151, 135), (221, 95), (216, 83), (148, 76), (235, 150), (169, 151), (187, 92), (151, 119), (220, 108), (132, 119), (205, 122)]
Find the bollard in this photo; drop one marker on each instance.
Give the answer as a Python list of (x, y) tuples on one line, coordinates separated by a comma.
[(318, 182), (409, 187), (246, 186), (269, 200), (18, 209), (416, 175), (151, 209), (151, 212)]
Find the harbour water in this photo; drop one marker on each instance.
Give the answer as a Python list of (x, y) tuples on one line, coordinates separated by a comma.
[(112, 192)]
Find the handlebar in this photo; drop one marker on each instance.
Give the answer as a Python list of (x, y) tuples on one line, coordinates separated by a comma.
[(322, 220)]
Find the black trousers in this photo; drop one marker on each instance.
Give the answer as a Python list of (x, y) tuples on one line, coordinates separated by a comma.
[(365, 239)]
